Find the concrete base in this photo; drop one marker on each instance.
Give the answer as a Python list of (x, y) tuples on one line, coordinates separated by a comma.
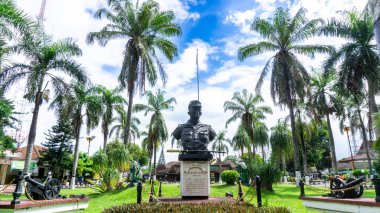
[(195, 179), (51, 206), (328, 204)]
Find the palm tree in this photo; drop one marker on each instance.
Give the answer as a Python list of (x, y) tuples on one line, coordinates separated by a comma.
[(220, 143), (145, 29), (359, 60), (244, 106), (325, 100), (77, 103), (283, 35), (119, 125), (11, 17), (353, 109), (157, 133), (373, 9), (280, 140), (46, 58), (240, 140), (109, 98), (260, 134)]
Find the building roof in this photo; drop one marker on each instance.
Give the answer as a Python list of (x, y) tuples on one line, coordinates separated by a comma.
[(362, 155), (36, 152)]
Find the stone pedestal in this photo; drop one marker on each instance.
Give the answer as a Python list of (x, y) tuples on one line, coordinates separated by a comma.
[(195, 179)]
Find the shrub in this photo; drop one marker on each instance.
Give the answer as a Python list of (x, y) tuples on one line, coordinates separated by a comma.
[(292, 179), (358, 172), (325, 177), (194, 207), (230, 176), (269, 174)]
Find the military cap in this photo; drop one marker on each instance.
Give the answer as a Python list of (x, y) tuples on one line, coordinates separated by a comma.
[(195, 103)]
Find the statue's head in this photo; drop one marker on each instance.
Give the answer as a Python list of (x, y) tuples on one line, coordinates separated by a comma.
[(195, 109)]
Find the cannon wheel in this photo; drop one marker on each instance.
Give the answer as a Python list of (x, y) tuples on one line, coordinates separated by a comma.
[(52, 189), (336, 184), (355, 192)]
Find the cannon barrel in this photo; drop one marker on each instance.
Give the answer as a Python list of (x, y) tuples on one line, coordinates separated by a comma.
[(33, 182), (353, 183)]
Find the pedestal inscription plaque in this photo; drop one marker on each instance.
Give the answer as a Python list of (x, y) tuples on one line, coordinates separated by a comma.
[(195, 179)]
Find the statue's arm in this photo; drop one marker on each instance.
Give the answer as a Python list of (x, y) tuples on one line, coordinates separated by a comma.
[(211, 134), (177, 132)]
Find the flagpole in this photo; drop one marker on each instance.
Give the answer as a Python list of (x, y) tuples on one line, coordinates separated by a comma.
[(197, 74)]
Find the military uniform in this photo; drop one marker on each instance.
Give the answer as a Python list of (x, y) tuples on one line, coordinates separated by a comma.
[(194, 137)]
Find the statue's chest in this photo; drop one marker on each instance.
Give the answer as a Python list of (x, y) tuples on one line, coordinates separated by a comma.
[(190, 133)]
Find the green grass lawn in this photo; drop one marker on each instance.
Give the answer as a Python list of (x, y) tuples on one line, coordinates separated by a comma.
[(284, 195)]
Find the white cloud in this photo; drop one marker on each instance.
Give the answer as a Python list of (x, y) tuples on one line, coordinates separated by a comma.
[(184, 69)]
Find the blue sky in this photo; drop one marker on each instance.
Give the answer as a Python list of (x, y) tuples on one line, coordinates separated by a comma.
[(217, 28)]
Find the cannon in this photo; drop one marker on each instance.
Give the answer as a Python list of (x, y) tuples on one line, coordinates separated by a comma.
[(38, 191), (351, 189)]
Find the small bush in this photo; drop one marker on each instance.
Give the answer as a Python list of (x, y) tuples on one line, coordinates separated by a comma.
[(193, 207), (230, 176), (358, 172), (325, 177), (292, 179)]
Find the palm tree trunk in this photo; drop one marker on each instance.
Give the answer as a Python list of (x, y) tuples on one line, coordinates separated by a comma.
[(105, 137), (365, 141), (32, 132), (242, 152), (372, 103), (303, 147), (332, 146), (283, 162), (376, 29), (150, 164), (292, 121), (76, 156), (154, 162), (129, 115), (263, 152)]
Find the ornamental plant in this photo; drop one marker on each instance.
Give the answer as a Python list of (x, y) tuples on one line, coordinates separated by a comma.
[(230, 176)]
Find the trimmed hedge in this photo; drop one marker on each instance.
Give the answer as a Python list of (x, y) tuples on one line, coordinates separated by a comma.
[(230, 176), (194, 207)]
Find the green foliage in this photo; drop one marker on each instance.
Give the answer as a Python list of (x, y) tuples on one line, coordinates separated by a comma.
[(268, 173), (358, 172), (6, 120), (232, 158), (190, 208), (325, 177), (230, 176), (59, 147), (84, 166), (118, 156), (138, 154)]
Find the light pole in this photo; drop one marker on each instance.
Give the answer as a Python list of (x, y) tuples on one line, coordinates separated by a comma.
[(346, 129), (89, 139)]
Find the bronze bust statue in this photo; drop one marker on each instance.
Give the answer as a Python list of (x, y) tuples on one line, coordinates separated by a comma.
[(194, 136)]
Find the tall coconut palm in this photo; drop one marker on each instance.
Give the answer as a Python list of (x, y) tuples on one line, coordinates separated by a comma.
[(78, 103), (119, 121), (325, 100), (240, 140), (284, 36), (157, 133), (219, 143), (110, 98), (244, 107), (145, 28), (280, 140), (260, 135), (359, 60), (45, 59)]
